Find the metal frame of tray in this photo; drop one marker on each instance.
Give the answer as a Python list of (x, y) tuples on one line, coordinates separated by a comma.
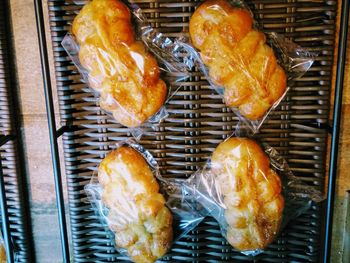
[(198, 121), (15, 216)]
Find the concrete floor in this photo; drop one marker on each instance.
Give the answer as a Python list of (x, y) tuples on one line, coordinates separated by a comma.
[(341, 224), (37, 141), (35, 131)]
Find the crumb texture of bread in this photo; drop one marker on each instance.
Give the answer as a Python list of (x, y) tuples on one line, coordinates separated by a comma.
[(120, 68), (137, 212), (251, 192), (237, 57)]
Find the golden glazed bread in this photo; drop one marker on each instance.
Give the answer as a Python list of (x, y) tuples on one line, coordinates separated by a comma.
[(251, 191), (237, 57), (2, 254), (119, 67), (137, 212)]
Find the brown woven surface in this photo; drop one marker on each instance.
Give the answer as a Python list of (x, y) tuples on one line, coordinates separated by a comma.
[(198, 121)]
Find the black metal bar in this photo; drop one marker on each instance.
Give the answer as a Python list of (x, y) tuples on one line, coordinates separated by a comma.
[(61, 130), (5, 219), (343, 32), (52, 128), (5, 138), (16, 118), (64, 129)]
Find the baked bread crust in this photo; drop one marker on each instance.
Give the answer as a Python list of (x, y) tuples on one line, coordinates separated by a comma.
[(137, 212), (119, 67), (2, 254), (237, 57), (251, 191)]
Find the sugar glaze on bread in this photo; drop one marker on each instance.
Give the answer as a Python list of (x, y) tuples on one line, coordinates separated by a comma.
[(251, 192), (120, 68), (237, 57), (137, 212)]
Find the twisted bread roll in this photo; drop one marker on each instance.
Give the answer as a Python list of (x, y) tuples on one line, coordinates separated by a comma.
[(120, 68), (237, 57), (137, 212), (251, 191)]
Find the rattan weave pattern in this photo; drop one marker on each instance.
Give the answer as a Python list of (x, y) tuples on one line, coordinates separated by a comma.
[(8, 152), (197, 122)]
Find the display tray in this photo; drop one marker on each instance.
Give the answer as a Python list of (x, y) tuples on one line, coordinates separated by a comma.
[(198, 121), (15, 218)]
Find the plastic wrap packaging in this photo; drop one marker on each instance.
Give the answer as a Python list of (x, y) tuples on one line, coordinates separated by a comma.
[(2, 250), (3, 256), (250, 191), (144, 216), (237, 60), (123, 60)]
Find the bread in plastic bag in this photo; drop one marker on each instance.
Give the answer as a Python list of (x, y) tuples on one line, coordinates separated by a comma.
[(146, 216), (3, 258), (238, 62), (119, 63), (250, 191), (3, 254)]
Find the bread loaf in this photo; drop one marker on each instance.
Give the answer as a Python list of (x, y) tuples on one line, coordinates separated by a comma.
[(119, 67), (237, 57), (251, 192), (137, 212)]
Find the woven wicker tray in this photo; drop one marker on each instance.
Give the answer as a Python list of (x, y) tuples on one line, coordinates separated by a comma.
[(198, 121)]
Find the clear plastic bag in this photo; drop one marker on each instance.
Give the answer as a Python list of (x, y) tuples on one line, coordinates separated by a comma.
[(123, 60), (3, 258), (145, 217), (3, 255), (251, 192), (238, 61)]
